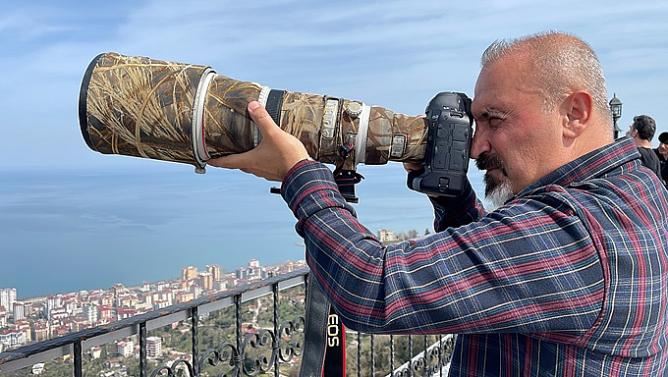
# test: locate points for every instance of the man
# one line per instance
(642, 131)
(567, 278)
(662, 153)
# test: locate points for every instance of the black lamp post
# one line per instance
(616, 109)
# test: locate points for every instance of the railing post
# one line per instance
(410, 356)
(277, 336)
(142, 349)
(392, 353)
(359, 354)
(194, 318)
(373, 364)
(240, 355)
(78, 362)
(424, 357)
(440, 356)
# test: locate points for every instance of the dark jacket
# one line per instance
(663, 166)
(650, 160)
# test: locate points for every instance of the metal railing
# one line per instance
(215, 335)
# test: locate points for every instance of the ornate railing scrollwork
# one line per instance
(290, 343)
(418, 366)
(447, 347)
(175, 369)
(226, 355)
(402, 373)
(261, 364)
(434, 361)
(431, 361)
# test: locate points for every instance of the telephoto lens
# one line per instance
(138, 106)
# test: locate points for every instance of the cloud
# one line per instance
(24, 25)
(393, 53)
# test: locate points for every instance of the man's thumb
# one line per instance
(261, 117)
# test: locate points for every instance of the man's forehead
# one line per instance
(502, 91)
(479, 100)
(485, 92)
(486, 102)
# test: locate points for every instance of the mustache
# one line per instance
(489, 161)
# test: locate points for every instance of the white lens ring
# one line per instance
(362, 131)
(199, 144)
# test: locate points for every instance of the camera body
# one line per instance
(448, 147)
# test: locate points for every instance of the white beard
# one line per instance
(500, 194)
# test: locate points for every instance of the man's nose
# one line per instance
(479, 144)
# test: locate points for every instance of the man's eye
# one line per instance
(495, 122)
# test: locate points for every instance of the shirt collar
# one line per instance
(591, 165)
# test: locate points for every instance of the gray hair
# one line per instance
(561, 62)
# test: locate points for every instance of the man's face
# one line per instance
(663, 149)
(515, 136)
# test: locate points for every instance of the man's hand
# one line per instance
(412, 167)
(276, 154)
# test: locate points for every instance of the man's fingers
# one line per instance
(233, 161)
(261, 117)
(412, 167)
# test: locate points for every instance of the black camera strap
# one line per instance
(275, 104)
(324, 337)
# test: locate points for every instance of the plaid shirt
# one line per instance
(569, 278)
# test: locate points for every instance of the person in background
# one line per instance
(662, 153)
(642, 131)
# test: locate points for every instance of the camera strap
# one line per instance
(275, 104)
(324, 336)
(272, 100)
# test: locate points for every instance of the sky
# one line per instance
(396, 54)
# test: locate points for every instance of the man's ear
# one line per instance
(577, 109)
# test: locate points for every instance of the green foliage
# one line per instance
(219, 328)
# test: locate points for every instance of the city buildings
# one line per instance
(19, 311)
(125, 348)
(7, 298)
(206, 280)
(3, 317)
(189, 273)
(91, 312)
(252, 272)
(387, 236)
(42, 318)
(153, 347)
(10, 338)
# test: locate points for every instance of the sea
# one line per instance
(65, 230)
